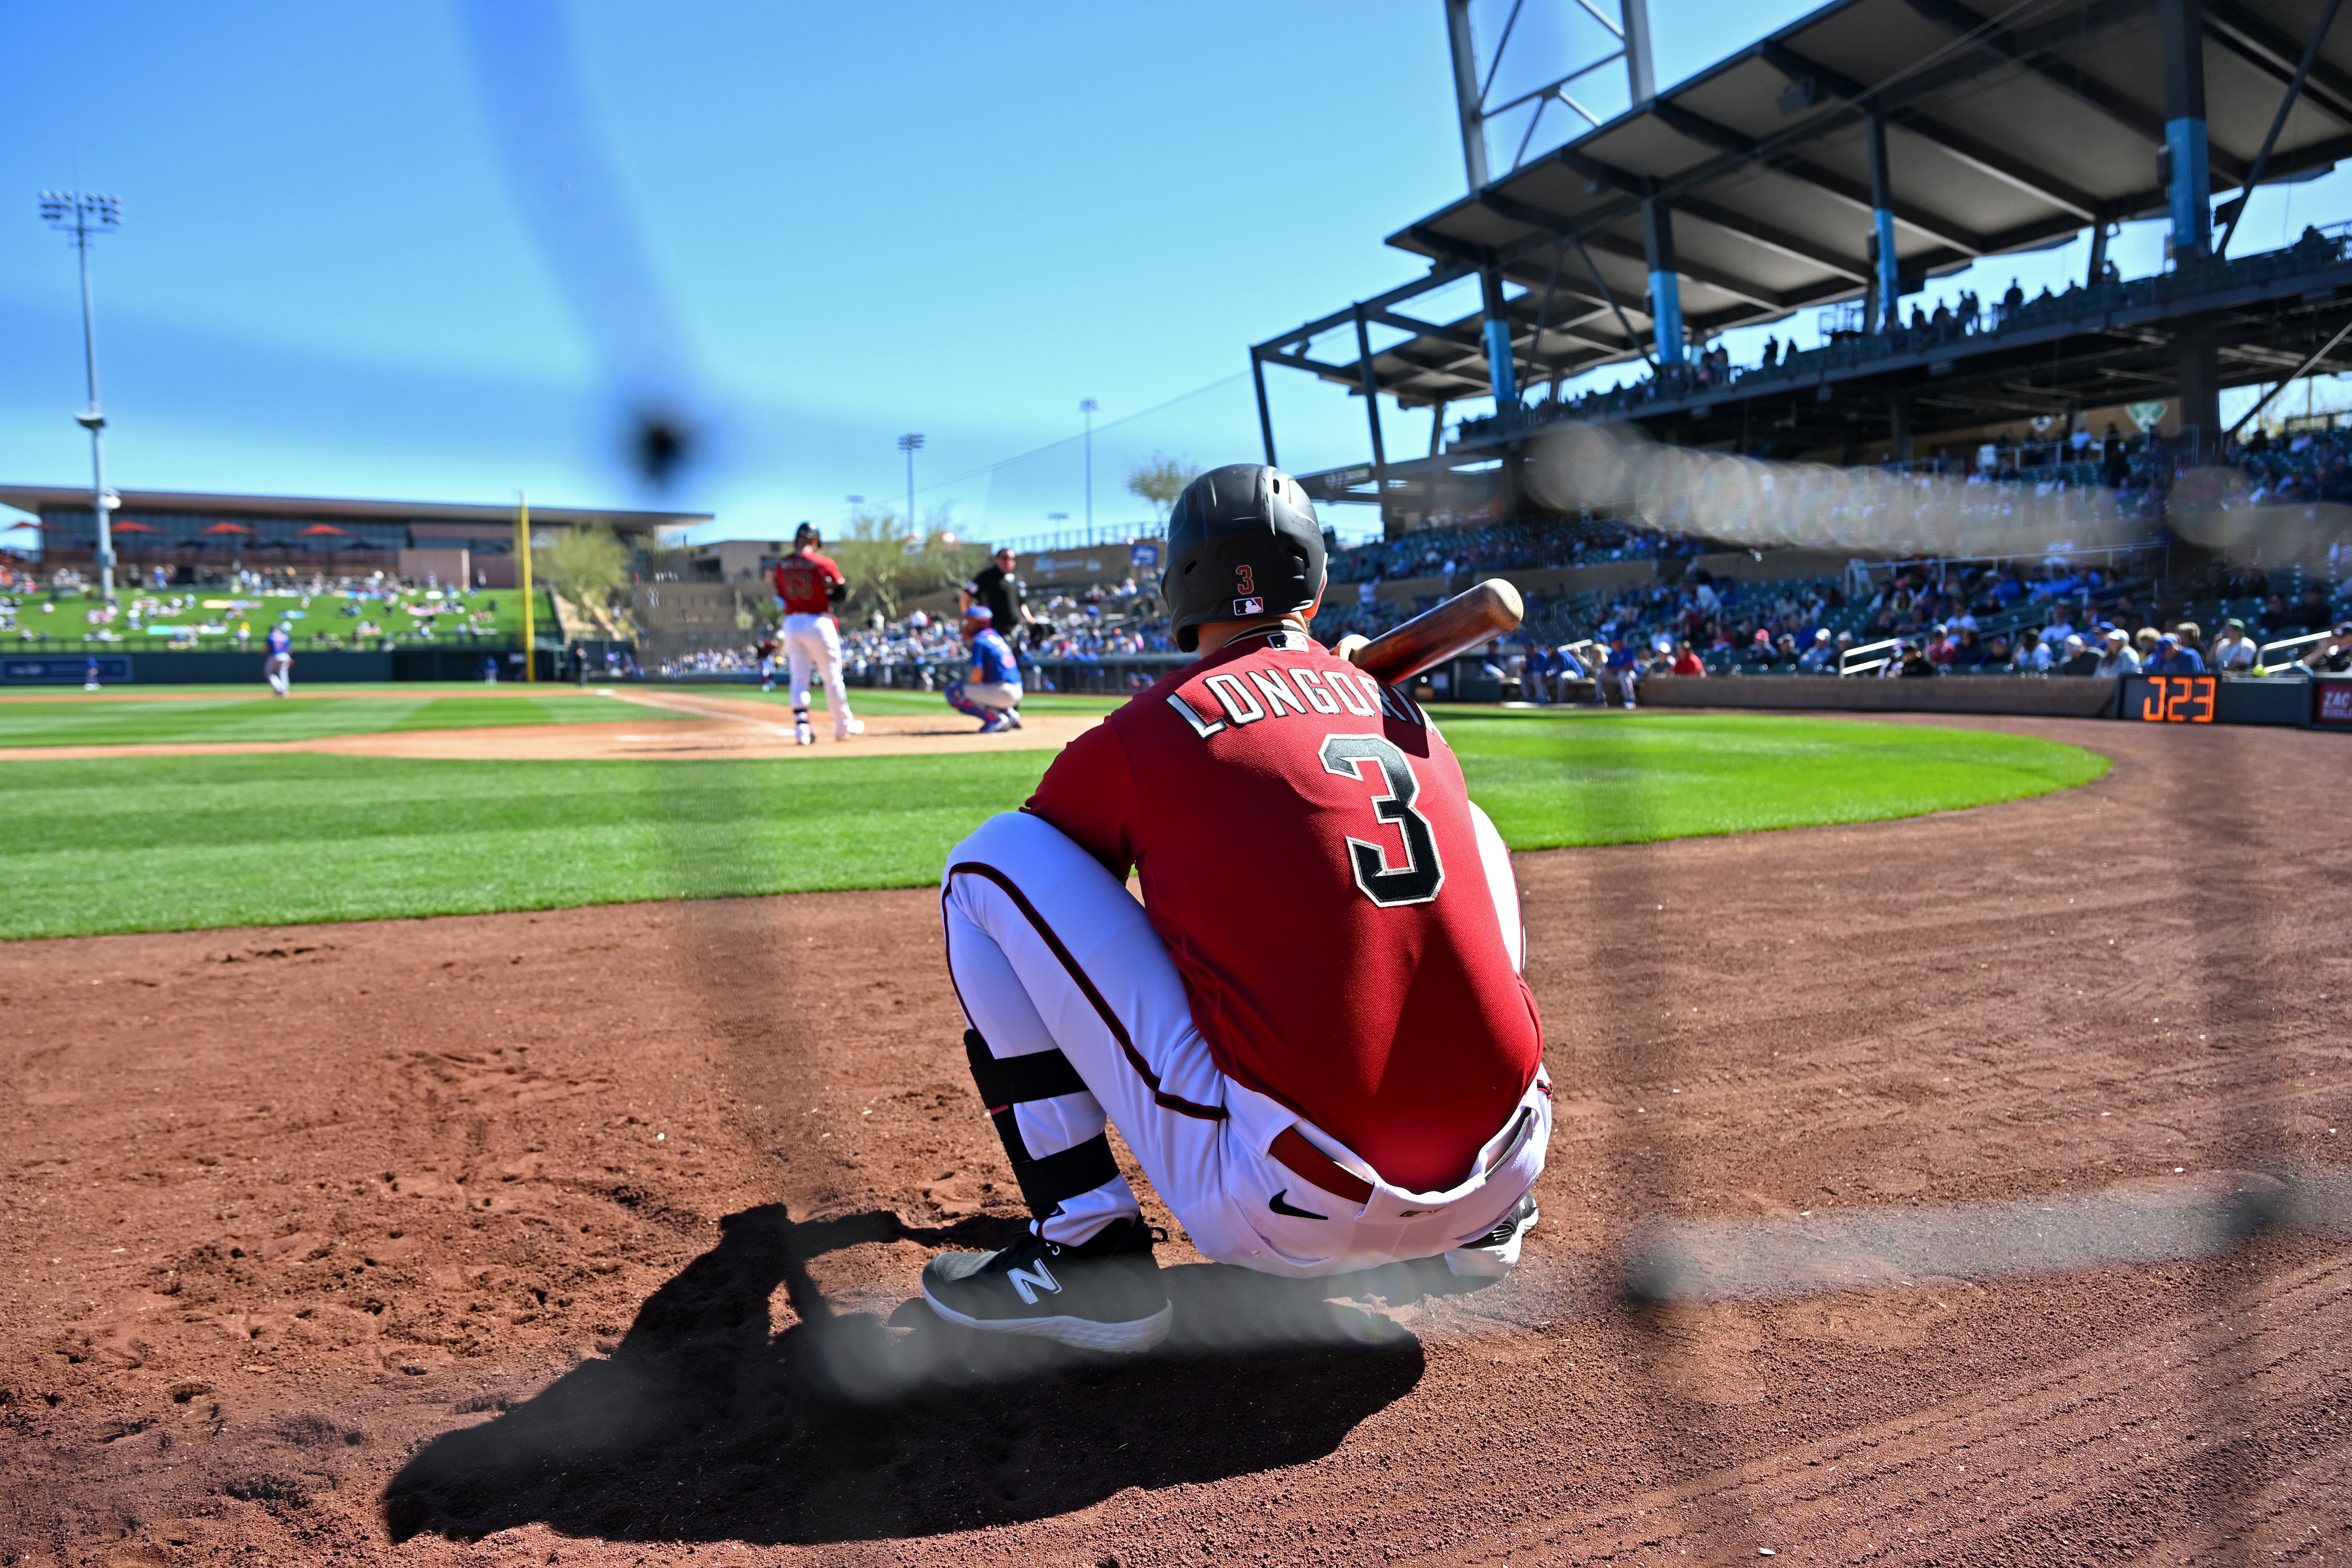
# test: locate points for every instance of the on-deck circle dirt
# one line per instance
(593, 1232)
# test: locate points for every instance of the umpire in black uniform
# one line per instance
(996, 586)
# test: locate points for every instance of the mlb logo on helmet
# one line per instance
(1249, 607)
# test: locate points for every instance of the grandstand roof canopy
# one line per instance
(2008, 128)
(65, 498)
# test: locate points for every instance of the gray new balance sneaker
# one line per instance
(1497, 1253)
(1102, 1294)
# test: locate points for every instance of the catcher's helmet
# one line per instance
(1243, 541)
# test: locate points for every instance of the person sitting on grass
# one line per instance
(991, 689)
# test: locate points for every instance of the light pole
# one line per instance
(910, 445)
(84, 216)
(1088, 406)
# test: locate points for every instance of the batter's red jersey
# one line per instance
(1307, 852)
(806, 582)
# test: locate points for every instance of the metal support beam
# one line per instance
(1555, 227)
(1723, 283)
(2259, 44)
(1437, 427)
(1767, 237)
(2237, 208)
(1882, 219)
(1441, 273)
(2108, 101)
(2098, 256)
(1830, 182)
(2034, 181)
(1502, 373)
(1420, 329)
(1665, 288)
(1466, 94)
(2300, 371)
(1313, 367)
(1602, 283)
(1372, 415)
(1264, 414)
(2192, 179)
(1639, 75)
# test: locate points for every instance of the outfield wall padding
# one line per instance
(2049, 696)
(227, 669)
(319, 667)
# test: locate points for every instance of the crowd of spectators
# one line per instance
(1944, 318)
(1093, 625)
(240, 607)
(2055, 616)
(1453, 543)
(2065, 612)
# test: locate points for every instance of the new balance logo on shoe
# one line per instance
(1031, 1281)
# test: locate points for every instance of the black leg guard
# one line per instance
(1042, 1075)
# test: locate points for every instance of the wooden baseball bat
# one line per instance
(1434, 636)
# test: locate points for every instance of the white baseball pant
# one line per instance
(813, 640)
(1048, 949)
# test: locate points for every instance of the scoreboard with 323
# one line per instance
(2169, 699)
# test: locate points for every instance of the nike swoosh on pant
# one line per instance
(1276, 1204)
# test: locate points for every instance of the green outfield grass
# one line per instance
(1607, 778)
(265, 718)
(137, 843)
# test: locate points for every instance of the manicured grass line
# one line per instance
(893, 700)
(266, 718)
(158, 843)
(1609, 779)
(143, 843)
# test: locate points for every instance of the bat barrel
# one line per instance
(1480, 616)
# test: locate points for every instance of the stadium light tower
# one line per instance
(910, 444)
(1088, 406)
(84, 216)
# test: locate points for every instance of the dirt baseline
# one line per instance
(680, 727)
(589, 1237)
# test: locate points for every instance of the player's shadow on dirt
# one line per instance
(703, 1426)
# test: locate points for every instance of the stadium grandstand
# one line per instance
(1847, 162)
(190, 537)
(1853, 164)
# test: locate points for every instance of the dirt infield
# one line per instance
(680, 727)
(589, 1237)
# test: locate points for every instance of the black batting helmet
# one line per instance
(806, 534)
(1243, 543)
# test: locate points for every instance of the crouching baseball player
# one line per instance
(1312, 1032)
(991, 690)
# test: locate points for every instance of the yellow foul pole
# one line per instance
(522, 550)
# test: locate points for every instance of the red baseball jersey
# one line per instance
(1307, 852)
(806, 582)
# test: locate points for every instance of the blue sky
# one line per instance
(835, 223)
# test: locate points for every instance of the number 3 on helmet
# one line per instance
(1243, 540)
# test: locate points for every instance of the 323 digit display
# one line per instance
(2170, 699)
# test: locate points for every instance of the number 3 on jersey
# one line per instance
(1418, 880)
